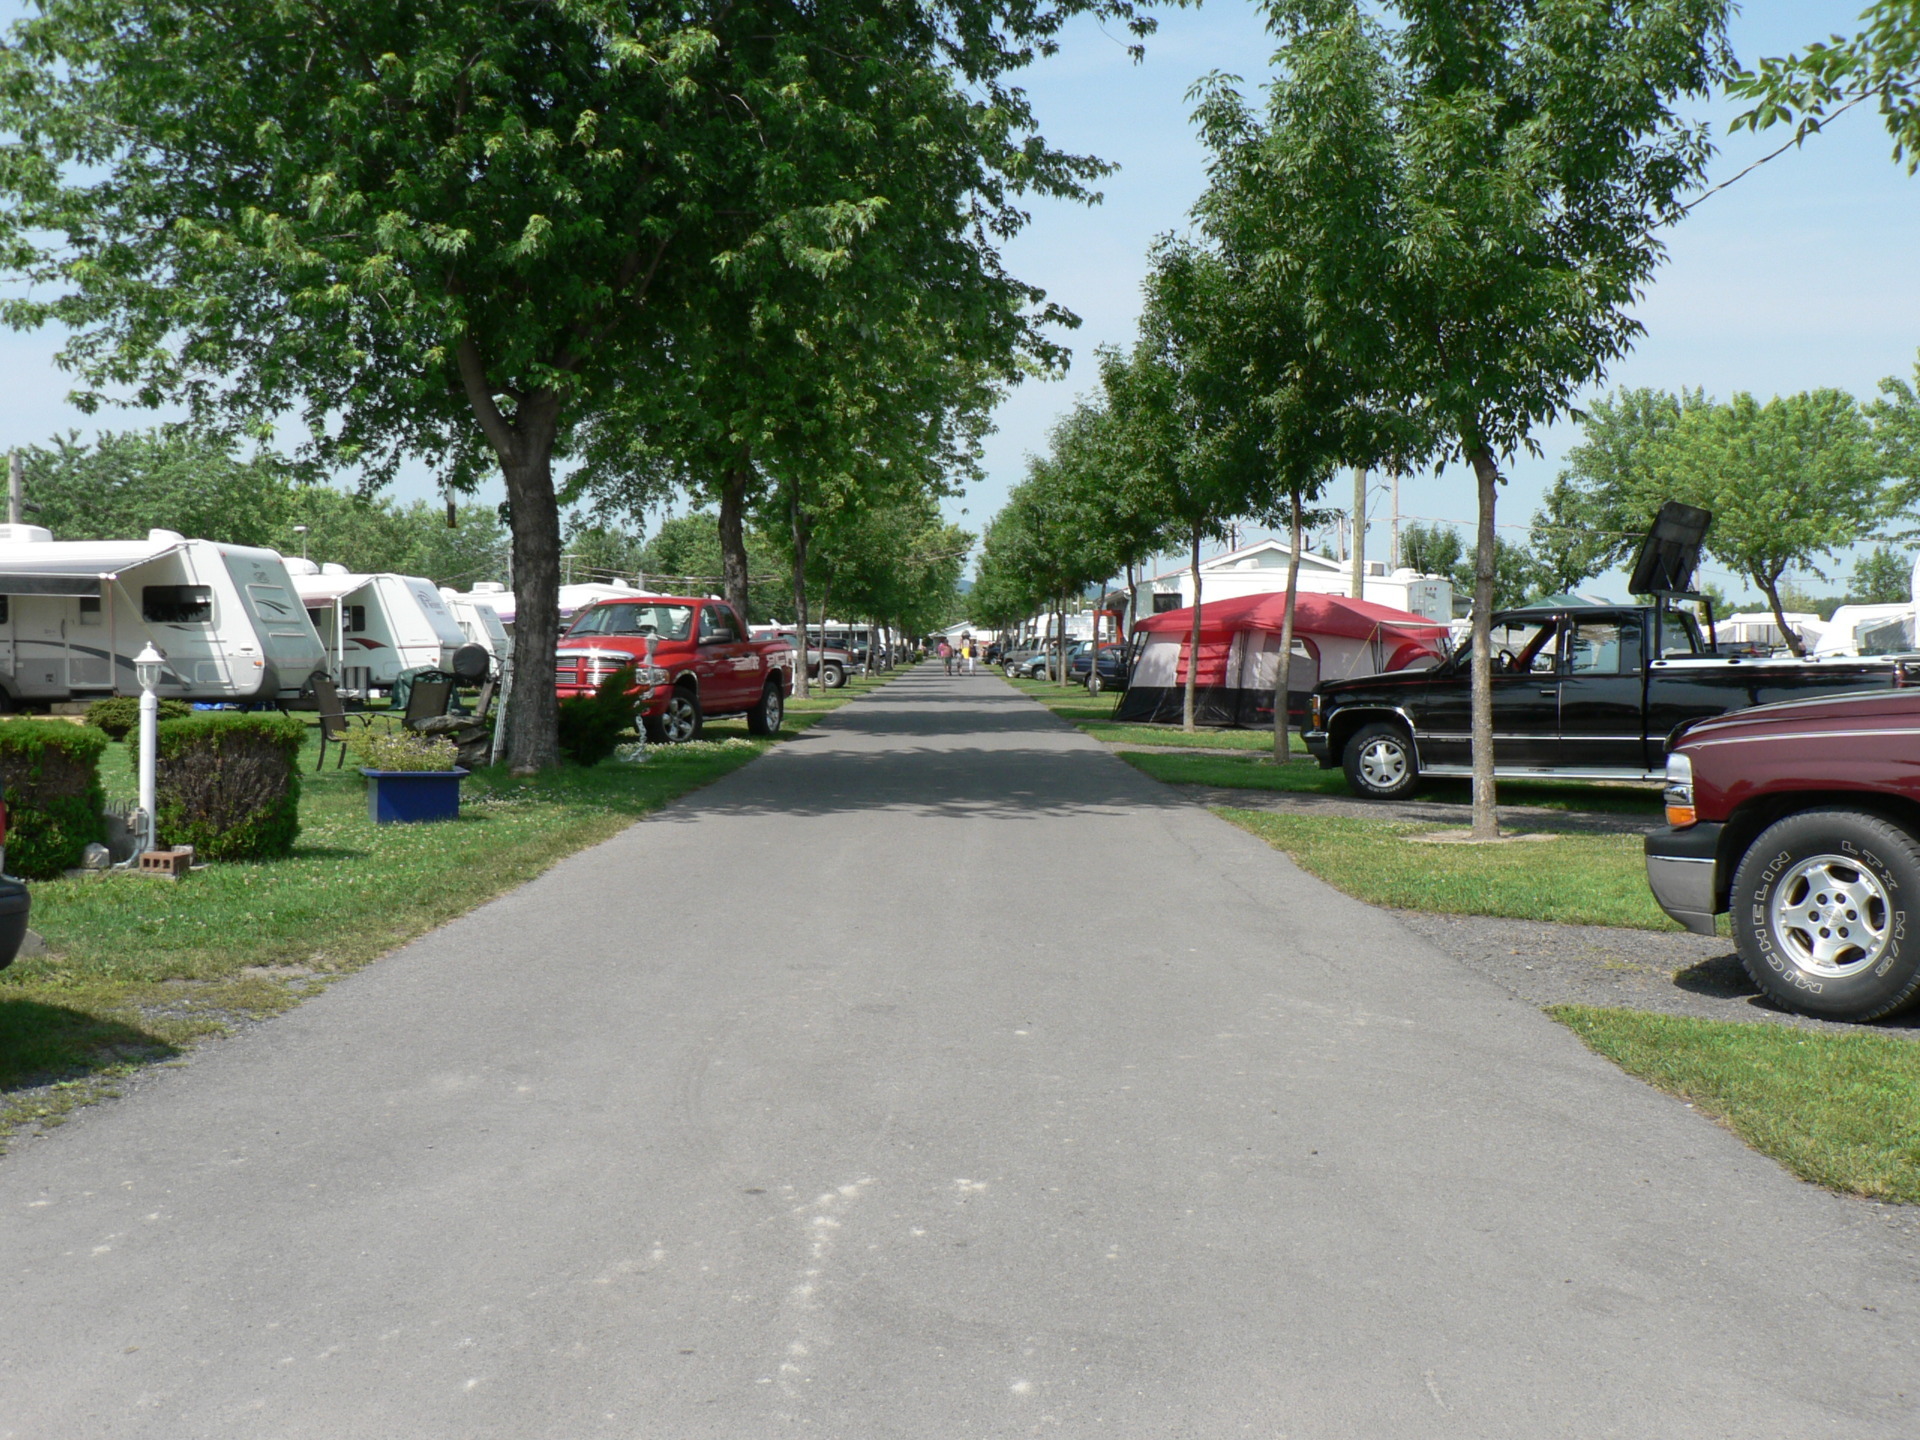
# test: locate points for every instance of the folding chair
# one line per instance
(427, 700)
(335, 724)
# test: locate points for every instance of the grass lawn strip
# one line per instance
(1842, 1111)
(1570, 879)
(138, 971)
(1094, 714)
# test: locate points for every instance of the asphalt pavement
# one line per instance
(936, 1076)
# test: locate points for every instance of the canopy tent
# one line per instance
(1335, 638)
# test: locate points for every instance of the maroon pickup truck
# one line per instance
(1802, 821)
(692, 660)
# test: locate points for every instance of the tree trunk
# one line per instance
(532, 716)
(1193, 654)
(800, 683)
(1283, 672)
(1133, 603)
(733, 535)
(1770, 587)
(1486, 819)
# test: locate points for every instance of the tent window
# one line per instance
(177, 604)
(89, 609)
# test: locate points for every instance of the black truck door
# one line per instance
(1602, 686)
(1526, 692)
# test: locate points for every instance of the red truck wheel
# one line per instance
(679, 722)
(1817, 907)
(765, 718)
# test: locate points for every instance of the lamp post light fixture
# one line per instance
(301, 531)
(148, 666)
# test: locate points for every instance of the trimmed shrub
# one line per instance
(119, 715)
(592, 725)
(52, 774)
(228, 784)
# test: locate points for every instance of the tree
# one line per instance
(1883, 576)
(684, 554)
(456, 228)
(1431, 549)
(1508, 166)
(119, 486)
(1790, 483)
(1880, 62)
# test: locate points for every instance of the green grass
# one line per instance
(140, 970)
(1255, 772)
(1840, 1110)
(1570, 879)
(1094, 714)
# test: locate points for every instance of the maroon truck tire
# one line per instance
(1819, 908)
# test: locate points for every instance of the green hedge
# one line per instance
(52, 774)
(592, 726)
(120, 714)
(228, 784)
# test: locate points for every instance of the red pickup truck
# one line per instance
(1801, 820)
(692, 660)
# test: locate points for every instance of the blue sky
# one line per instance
(1801, 275)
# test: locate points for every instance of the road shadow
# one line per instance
(41, 1044)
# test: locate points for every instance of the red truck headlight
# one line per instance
(1680, 811)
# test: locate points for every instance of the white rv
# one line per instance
(481, 624)
(375, 626)
(74, 613)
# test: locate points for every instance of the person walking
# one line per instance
(966, 649)
(946, 655)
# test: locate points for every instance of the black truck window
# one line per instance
(1605, 647)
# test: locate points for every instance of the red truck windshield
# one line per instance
(666, 622)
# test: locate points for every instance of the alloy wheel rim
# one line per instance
(1831, 917)
(1383, 764)
(679, 719)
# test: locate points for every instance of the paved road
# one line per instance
(1124, 1128)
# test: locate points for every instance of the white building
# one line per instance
(1261, 569)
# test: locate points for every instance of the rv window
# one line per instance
(89, 609)
(5, 617)
(177, 604)
(356, 619)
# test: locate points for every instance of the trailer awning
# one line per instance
(72, 567)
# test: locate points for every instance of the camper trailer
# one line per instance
(375, 626)
(74, 613)
(480, 623)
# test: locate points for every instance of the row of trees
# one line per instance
(1424, 247)
(118, 486)
(614, 248)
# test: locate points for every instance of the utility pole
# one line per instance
(1395, 558)
(1359, 534)
(16, 489)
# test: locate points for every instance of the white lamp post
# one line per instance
(147, 668)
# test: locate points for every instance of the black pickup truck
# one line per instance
(1579, 692)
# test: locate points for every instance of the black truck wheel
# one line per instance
(1818, 907)
(1380, 763)
(679, 723)
(765, 718)
(832, 675)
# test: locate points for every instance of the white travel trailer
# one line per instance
(74, 613)
(480, 623)
(375, 626)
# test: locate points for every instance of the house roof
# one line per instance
(1270, 553)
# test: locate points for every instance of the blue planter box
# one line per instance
(406, 797)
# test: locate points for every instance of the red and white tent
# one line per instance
(1334, 638)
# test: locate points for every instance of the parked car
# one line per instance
(1116, 662)
(1583, 692)
(692, 660)
(828, 668)
(1033, 664)
(1801, 822)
